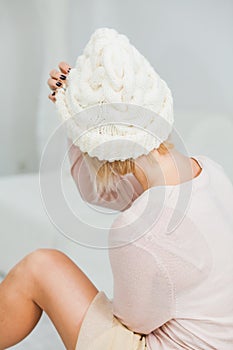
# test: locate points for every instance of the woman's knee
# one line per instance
(42, 260)
(37, 263)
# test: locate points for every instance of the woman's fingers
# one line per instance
(54, 84)
(57, 75)
(64, 67)
(52, 96)
(57, 79)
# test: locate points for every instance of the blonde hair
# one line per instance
(106, 174)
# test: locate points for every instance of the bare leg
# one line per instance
(44, 280)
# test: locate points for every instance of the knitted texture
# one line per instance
(112, 71)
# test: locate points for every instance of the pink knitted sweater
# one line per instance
(175, 286)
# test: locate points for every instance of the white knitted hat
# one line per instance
(113, 94)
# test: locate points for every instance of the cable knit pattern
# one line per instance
(111, 70)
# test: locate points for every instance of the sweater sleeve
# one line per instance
(143, 291)
(152, 273)
(121, 199)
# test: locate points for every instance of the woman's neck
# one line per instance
(170, 169)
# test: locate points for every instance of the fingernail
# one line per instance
(53, 93)
(62, 77)
(69, 70)
(58, 83)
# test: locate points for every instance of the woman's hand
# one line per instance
(57, 79)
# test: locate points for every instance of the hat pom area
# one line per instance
(112, 71)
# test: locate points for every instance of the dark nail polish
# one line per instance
(69, 70)
(58, 83)
(53, 94)
(62, 77)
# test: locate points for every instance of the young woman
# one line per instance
(170, 291)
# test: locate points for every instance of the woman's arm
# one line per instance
(143, 297)
(154, 273)
(126, 192)
(128, 188)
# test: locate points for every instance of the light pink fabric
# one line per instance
(177, 288)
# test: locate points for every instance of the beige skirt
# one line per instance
(101, 330)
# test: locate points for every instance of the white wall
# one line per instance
(19, 61)
(31, 46)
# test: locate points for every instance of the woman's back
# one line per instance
(177, 286)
